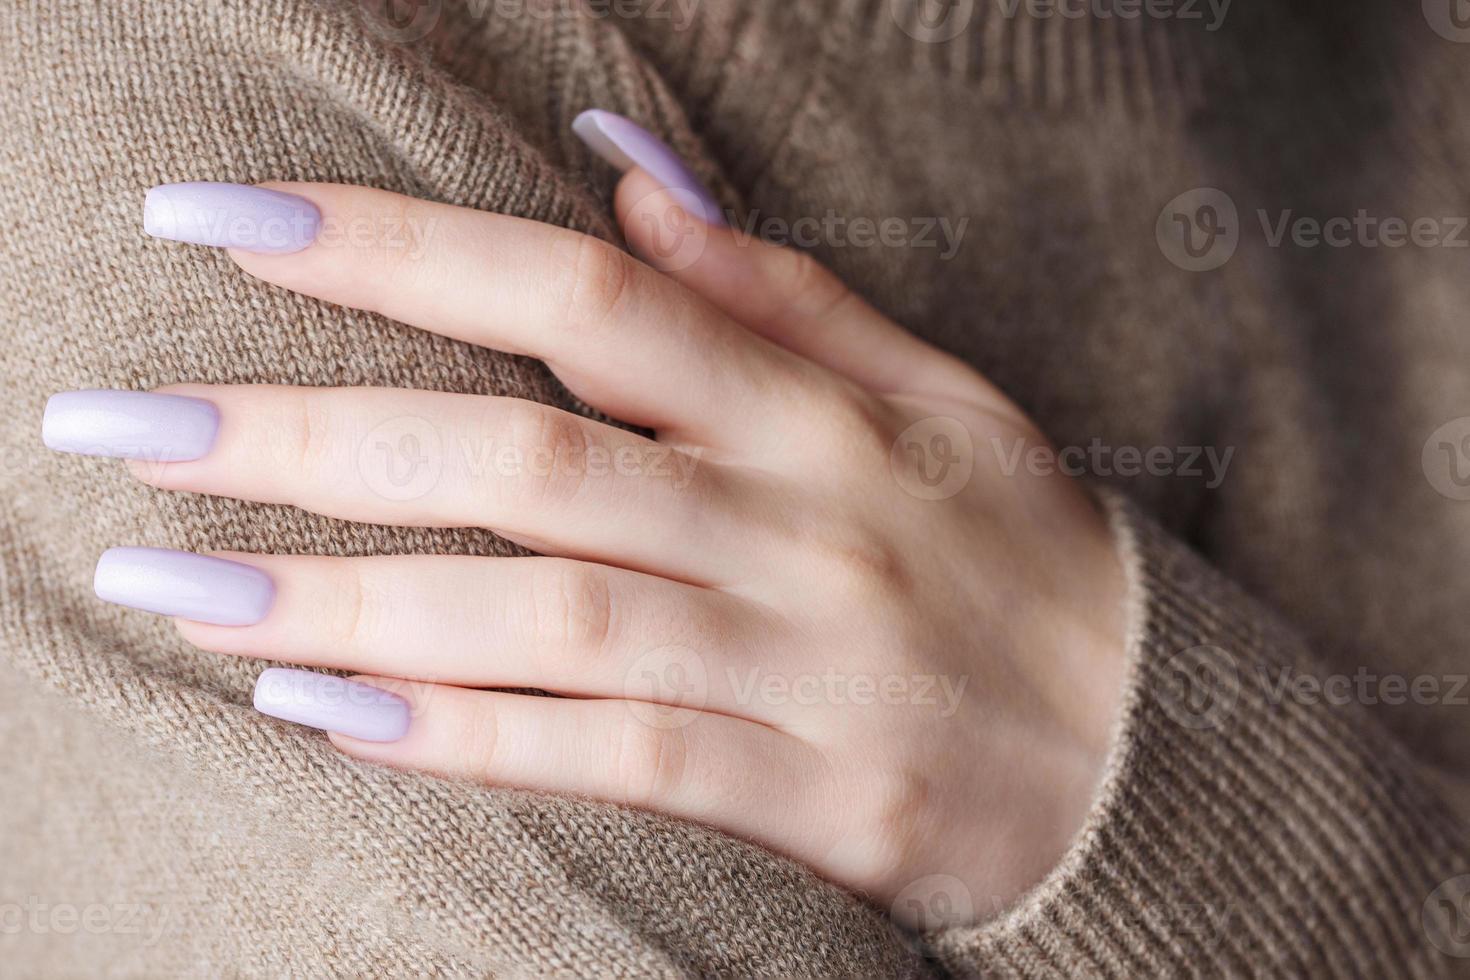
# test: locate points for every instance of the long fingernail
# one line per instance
(180, 583)
(130, 424)
(231, 216)
(625, 144)
(334, 704)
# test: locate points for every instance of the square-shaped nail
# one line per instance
(255, 219)
(201, 588)
(334, 704)
(130, 424)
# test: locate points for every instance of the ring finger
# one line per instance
(570, 627)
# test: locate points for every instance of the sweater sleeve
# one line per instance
(1248, 823)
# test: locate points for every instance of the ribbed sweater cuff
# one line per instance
(1240, 829)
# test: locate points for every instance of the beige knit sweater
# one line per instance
(154, 825)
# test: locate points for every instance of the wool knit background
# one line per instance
(137, 776)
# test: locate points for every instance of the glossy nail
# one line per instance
(334, 704)
(180, 583)
(130, 424)
(231, 216)
(625, 144)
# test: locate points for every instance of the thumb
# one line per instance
(670, 221)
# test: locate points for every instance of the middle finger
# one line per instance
(570, 485)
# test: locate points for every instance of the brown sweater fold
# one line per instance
(1240, 831)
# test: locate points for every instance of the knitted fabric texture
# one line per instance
(1257, 834)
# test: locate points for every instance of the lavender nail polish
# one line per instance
(625, 144)
(179, 583)
(231, 216)
(130, 424)
(334, 704)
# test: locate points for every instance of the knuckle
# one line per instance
(651, 763)
(850, 430)
(571, 612)
(863, 426)
(600, 283)
(349, 597)
(554, 445)
(306, 422)
(893, 820)
(864, 562)
(385, 259)
(811, 291)
(478, 735)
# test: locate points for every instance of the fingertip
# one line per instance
(636, 187)
(663, 225)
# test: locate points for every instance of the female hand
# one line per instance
(817, 610)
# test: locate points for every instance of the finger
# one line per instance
(431, 459)
(571, 627)
(783, 294)
(624, 338)
(739, 776)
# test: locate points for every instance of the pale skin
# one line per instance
(879, 683)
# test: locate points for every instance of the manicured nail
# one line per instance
(231, 216)
(334, 704)
(180, 583)
(130, 424)
(625, 144)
